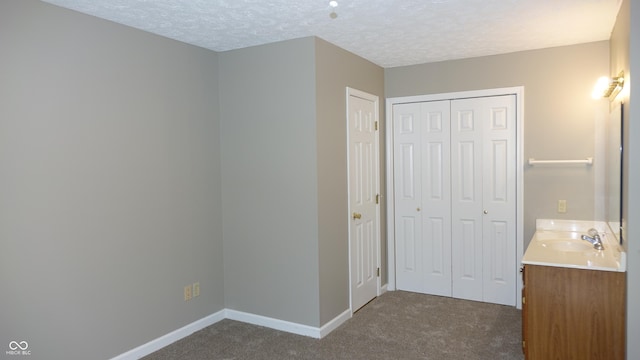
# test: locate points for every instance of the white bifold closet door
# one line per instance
(454, 178)
(423, 197)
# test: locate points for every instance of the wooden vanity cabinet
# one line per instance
(573, 314)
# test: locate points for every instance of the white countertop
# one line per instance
(558, 243)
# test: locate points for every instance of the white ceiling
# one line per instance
(389, 33)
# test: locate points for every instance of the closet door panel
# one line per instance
(499, 192)
(466, 199)
(408, 197)
(436, 197)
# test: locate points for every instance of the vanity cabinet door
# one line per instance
(574, 314)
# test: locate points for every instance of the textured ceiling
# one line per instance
(389, 33)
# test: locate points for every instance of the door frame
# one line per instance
(376, 100)
(518, 91)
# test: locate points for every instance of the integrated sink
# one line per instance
(563, 241)
(559, 243)
(567, 245)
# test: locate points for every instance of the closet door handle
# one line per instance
(357, 215)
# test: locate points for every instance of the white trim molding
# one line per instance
(287, 326)
(335, 323)
(170, 338)
(290, 327)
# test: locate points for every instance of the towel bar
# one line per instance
(587, 161)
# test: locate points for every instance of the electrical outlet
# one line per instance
(187, 293)
(196, 289)
(562, 206)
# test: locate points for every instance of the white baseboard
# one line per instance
(159, 343)
(272, 323)
(384, 288)
(291, 327)
(333, 324)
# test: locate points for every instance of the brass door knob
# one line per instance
(357, 215)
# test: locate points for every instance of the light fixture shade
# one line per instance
(608, 88)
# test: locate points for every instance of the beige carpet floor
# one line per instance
(396, 325)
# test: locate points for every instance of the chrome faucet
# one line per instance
(594, 239)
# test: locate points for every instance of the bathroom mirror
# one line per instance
(614, 151)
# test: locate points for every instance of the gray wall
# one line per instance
(270, 180)
(114, 174)
(335, 70)
(110, 183)
(285, 177)
(625, 50)
(560, 116)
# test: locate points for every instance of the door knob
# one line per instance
(417, 209)
(486, 212)
(357, 215)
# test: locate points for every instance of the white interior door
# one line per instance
(466, 200)
(422, 197)
(454, 175)
(436, 196)
(483, 148)
(364, 189)
(499, 198)
(408, 197)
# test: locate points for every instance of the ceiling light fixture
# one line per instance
(608, 88)
(333, 4)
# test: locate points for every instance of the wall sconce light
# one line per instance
(608, 88)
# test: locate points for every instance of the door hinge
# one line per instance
(377, 198)
(523, 344)
(523, 300)
(376, 125)
(378, 272)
